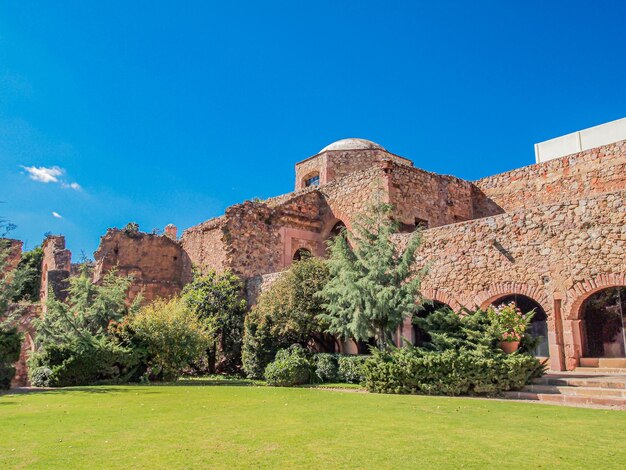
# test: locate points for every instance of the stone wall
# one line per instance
(156, 262)
(27, 313)
(205, 244)
(583, 174)
(56, 267)
(556, 254)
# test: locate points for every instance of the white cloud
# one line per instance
(43, 174)
(56, 215)
(75, 186)
(52, 174)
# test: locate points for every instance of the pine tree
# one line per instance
(374, 286)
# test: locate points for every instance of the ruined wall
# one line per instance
(205, 244)
(583, 174)
(550, 253)
(437, 199)
(27, 313)
(156, 262)
(14, 254)
(56, 267)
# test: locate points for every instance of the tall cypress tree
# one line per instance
(374, 285)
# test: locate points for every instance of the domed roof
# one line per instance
(352, 144)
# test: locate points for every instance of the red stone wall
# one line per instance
(156, 262)
(583, 174)
(205, 244)
(56, 268)
(25, 324)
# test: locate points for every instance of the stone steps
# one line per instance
(599, 388)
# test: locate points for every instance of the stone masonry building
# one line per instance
(550, 236)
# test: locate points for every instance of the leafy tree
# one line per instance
(287, 313)
(373, 284)
(74, 346)
(217, 299)
(29, 272)
(171, 335)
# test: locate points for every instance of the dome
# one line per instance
(352, 144)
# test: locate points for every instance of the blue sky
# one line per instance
(169, 112)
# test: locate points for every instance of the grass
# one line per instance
(242, 426)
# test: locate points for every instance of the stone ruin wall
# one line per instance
(596, 171)
(157, 263)
(550, 253)
(438, 199)
(205, 244)
(56, 268)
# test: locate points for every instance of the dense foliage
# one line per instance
(460, 357)
(218, 302)
(287, 313)
(373, 285)
(10, 343)
(29, 272)
(73, 341)
(342, 368)
(167, 336)
(290, 367)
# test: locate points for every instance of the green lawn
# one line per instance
(186, 426)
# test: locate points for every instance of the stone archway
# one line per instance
(603, 330)
(538, 328)
(574, 327)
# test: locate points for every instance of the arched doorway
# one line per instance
(337, 229)
(538, 328)
(603, 324)
(301, 254)
(419, 335)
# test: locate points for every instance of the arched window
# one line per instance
(312, 180)
(603, 323)
(302, 253)
(538, 328)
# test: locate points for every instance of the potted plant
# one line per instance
(510, 325)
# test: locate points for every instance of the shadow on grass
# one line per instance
(131, 387)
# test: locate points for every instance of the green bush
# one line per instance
(77, 363)
(449, 372)
(40, 376)
(10, 345)
(291, 367)
(168, 335)
(326, 367)
(351, 368)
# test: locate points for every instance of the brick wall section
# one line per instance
(25, 324)
(156, 262)
(587, 173)
(14, 253)
(543, 252)
(56, 267)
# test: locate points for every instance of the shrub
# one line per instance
(291, 367)
(286, 313)
(450, 372)
(351, 368)
(169, 334)
(81, 363)
(40, 376)
(326, 367)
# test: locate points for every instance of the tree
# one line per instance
(29, 272)
(171, 334)
(74, 343)
(287, 313)
(218, 302)
(373, 284)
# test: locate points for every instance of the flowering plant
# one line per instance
(509, 321)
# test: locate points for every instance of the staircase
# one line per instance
(586, 386)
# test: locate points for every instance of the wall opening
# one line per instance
(312, 180)
(538, 328)
(301, 254)
(419, 335)
(603, 325)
